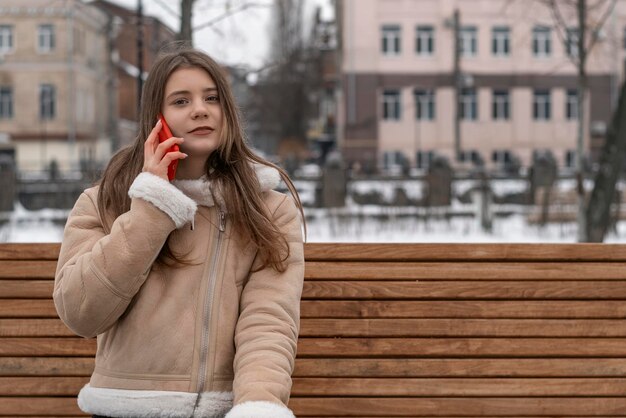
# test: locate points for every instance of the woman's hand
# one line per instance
(156, 159)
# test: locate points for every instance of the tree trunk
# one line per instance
(186, 12)
(599, 208)
(582, 111)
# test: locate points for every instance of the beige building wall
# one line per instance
(75, 67)
(364, 67)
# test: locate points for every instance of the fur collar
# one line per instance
(204, 193)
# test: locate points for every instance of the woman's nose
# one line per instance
(199, 111)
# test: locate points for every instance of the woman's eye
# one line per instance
(180, 101)
(213, 99)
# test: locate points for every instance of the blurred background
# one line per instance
(399, 120)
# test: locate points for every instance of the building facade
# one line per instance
(125, 60)
(517, 82)
(52, 81)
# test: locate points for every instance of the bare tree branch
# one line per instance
(231, 12)
(168, 9)
(561, 29)
(596, 30)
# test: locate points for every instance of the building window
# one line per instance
(501, 157)
(47, 99)
(424, 104)
(395, 162)
(500, 45)
(390, 36)
(469, 104)
(571, 106)
(425, 40)
(570, 158)
(45, 38)
(391, 105)
(6, 39)
(542, 41)
(6, 102)
(501, 105)
(469, 43)
(541, 105)
(423, 159)
(571, 43)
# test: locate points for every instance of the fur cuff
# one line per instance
(151, 403)
(260, 409)
(164, 196)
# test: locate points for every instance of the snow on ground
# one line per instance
(367, 224)
(370, 223)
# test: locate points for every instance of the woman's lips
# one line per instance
(202, 131)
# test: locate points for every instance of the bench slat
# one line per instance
(465, 290)
(461, 347)
(464, 252)
(30, 269)
(70, 386)
(40, 289)
(384, 407)
(392, 407)
(32, 347)
(461, 327)
(28, 406)
(46, 366)
(321, 270)
(44, 308)
(494, 367)
(41, 386)
(354, 367)
(457, 387)
(364, 347)
(402, 290)
(30, 251)
(27, 308)
(605, 309)
(43, 269)
(311, 327)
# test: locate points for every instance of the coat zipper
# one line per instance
(204, 344)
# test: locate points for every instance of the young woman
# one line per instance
(192, 287)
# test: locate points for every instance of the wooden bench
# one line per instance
(425, 330)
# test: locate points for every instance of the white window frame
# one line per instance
(501, 41)
(46, 39)
(390, 36)
(425, 104)
(542, 105)
(391, 105)
(542, 41)
(6, 102)
(6, 39)
(469, 104)
(468, 41)
(501, 105)
(571, 42)
(571, 104)
(425, 40)
(47, 101)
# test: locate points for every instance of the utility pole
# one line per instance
(582, 90)
(112, 111)
(457, 84)
(139, 54)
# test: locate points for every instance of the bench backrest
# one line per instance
(387, 330)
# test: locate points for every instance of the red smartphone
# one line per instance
(166, 133)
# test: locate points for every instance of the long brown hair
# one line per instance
(230, 166)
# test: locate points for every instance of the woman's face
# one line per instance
(192, 110)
